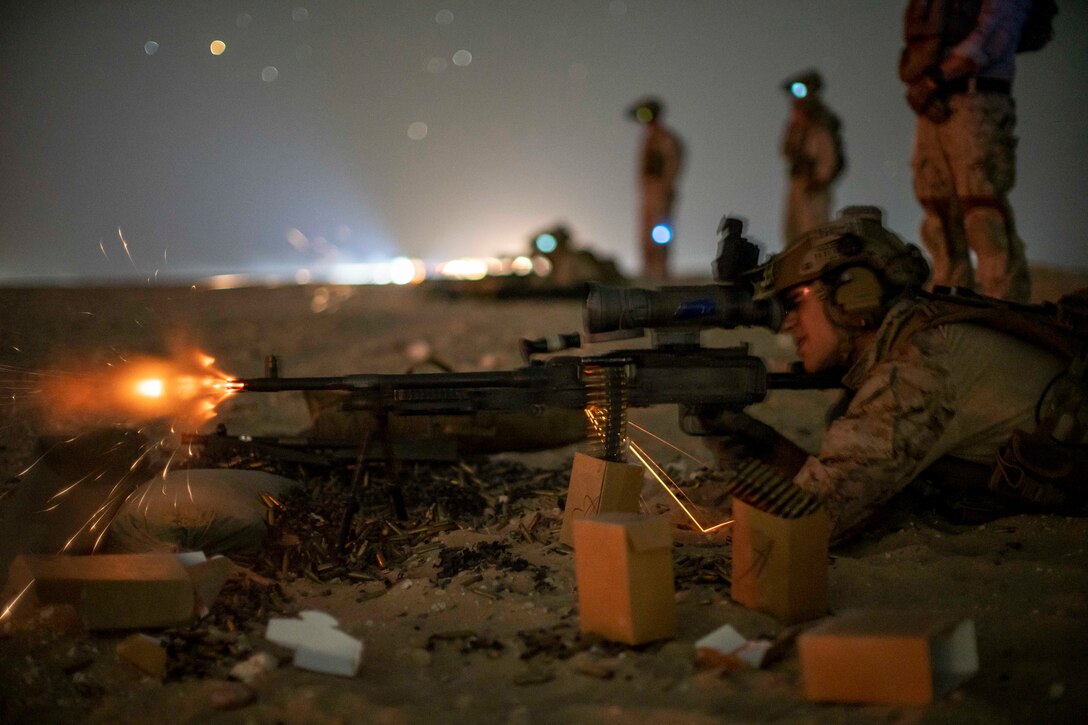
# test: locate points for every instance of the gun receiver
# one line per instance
(676, 370)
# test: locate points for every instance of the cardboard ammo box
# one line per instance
(623, 569)
(887, 657)
(780, 565)
(107, 591)
(598, 486)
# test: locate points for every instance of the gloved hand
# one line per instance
(743, 428)
(925, 98)
(734, 436)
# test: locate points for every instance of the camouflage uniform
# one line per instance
(955, 390)
(813, 153)
(660, 162)
(964, 159)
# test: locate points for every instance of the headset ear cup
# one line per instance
(859, 297)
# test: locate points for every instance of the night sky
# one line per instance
(352, 130)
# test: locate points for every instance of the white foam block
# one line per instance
(318, 643)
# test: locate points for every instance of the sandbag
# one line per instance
(214, 510)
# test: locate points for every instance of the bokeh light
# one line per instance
(217, 47)
(443, 17)
(521, 266)
(300, 15)
(269, 74)
(436, 65)
(417, 131)
(799, 90)
(151, 47)
(661, 234)
(462, 58)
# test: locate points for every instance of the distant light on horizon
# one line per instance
(398, 271)
(217, 47)
(521, 266)
(463, 269)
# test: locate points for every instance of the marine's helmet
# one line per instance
(646, 110)
(804, 84)
(865, 266)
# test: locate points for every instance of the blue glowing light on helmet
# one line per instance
(661, 234)
(546, 243)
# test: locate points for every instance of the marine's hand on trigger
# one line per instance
(740, 429)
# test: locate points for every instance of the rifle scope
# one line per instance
(612, 309)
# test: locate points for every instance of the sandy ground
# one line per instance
(492, 645)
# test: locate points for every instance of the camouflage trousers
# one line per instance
(657, 206)
(964, 169)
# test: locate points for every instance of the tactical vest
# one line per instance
(1046, 467)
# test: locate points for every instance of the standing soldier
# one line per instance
(813, 149)
(659, 166)
(958, 64)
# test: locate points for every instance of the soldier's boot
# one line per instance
(1002, 266)
(946, 242)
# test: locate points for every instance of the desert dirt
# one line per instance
(495, 638)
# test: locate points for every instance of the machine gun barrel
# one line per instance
(688, 376)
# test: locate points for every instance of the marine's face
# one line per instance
(820, 344)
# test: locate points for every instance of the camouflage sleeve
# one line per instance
(877, 447)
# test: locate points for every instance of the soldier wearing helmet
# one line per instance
(919, 396)
(813, 149)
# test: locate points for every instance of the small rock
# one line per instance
(588, 664)
(225, 695)
(254, 667)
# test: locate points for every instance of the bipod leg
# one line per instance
(396, 495)
(353, 498)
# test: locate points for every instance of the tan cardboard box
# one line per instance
(108, 591)
(887, 657)
(598, 486)
(780, 565)
(623, 568)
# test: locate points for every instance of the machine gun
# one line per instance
(675, 370)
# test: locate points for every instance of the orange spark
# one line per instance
(11, 605)
(657, 472)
